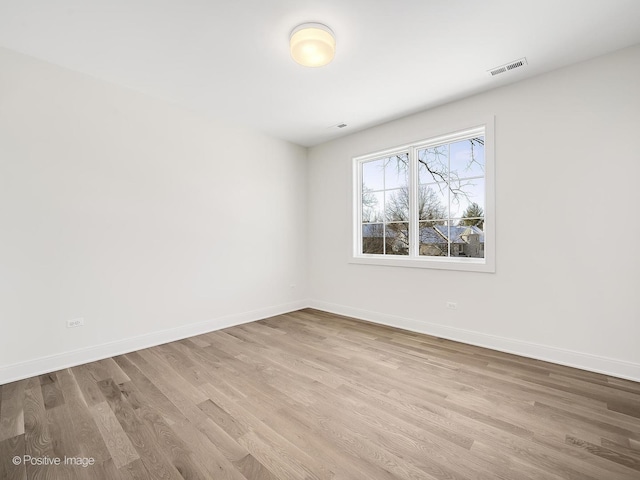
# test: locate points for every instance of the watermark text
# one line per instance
(56, 461)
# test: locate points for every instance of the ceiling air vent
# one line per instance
(509, 66)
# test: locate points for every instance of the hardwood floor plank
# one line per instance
(142, 391)
(174, 385)
(625, 449)
(12, 410)
(63, 438)
(582, 460)
(214, 452)
(222, 419)
(589, 423)
(90, 441)
(37, 437)
(198, 341)
(143, 440)
(607, 453)
(87, 383)
(629, 407)
(98, 471)
(281, 457)
(51, 392)
(253, 469)
(175, 450)
(9, 449)
(116, 440)
(133, 471)
(114, 371)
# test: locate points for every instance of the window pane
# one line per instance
(432, 201)
(396, 172)
(373, 175)
(373, 238)
(433, 164)
(397, 238)
(467, 239)
(433, 239)
(397, 205)
(372, 207)
(467, 158)
(467, 199)
(470, 222)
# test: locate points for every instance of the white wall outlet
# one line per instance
(452, 305)
(76, 322)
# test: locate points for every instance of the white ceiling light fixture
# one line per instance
(312, 44)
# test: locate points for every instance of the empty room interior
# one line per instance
(333, 240)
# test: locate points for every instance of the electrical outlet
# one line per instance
(452, 305)
(76, 322)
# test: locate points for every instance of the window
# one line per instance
(428, 204)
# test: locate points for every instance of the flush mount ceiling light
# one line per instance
(312, 44)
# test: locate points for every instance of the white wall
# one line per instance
(144, 219)
(567, 279)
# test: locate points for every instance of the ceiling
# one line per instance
(229, 60)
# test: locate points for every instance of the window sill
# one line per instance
(459, 264)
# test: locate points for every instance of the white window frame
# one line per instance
(414, 260)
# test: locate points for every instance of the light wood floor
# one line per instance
(311, 395)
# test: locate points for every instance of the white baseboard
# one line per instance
(569, 358)
(38, 366)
